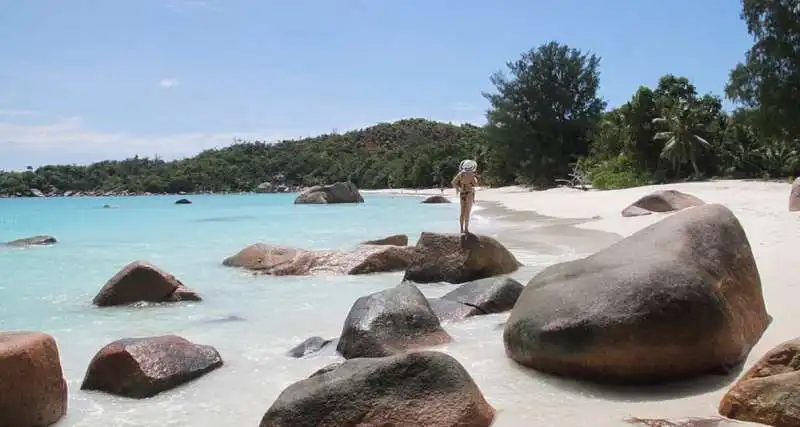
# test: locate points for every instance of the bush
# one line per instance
(619, 172)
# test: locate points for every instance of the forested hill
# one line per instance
(405, 153)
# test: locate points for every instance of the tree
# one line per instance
(768, 80)
(542, 113)
(681, 139)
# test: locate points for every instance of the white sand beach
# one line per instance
(762, 208)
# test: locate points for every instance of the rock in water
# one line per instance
(769, 393)
(33, 241)
(183, 202)
(33, 392)
(677, 299)
(388, 322)
(144, 367)
(141, 281)
(309, 346)
(424, 388)
(394, 240)
(455, 258)
(340, 192)
(436, 199)
(662, 201)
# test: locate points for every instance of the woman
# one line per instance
(465, 182)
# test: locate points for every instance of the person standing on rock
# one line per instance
(465, 182)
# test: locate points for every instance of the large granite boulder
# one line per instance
(142, 281)
(794, 196)
(340, 192)
(457, 258)
(662, 201)
(768, 393)
(424, 388)
(388, 322)
(33, 392)
(436, 199)
(143, 367)
(286, 261)
(33, 241)
(484, 296)
(677, 299)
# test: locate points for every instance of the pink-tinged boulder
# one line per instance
(662, 201)
(33, 392)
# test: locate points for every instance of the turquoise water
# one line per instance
(50, 288)
(251, 320)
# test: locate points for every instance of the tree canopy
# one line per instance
(546, 120)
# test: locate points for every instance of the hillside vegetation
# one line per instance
(545, 122)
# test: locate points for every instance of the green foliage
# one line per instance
(617, 172)
(406, 153)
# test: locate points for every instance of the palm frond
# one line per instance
(661, 136)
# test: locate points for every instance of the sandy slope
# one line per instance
(762, 208)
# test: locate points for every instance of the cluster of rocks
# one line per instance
(679, 299)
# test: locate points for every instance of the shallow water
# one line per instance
(253, 321)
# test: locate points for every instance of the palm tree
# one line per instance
(681, 139)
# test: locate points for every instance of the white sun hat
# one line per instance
(468, 166)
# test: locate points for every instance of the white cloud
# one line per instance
(18, 112)
(168, 83)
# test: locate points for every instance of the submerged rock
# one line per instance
(677, 299)
(33, 241)
(388, 322)
(183, 202)
(456, 258)
(33, 392)
(142, 281)
(340, 192)
(143, 367)
(424, 388)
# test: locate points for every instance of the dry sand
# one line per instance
(762, 208)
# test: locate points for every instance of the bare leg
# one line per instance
(470, 200)
(463, 218)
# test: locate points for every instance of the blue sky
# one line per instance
(84, 80)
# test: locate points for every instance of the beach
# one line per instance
(254, 320)
(760, 206)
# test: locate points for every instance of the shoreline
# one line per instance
(760, 206)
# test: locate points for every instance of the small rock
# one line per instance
(768, 392)
(340, 192)
(395, 240)
(436, 199)
(310, 346)
(662, 201)
(484, 296)
(33, 241)
(183, 202)
(33, 392)
(141, 281)
(424, 388)
(794, 196)
(143, 367)
(388, 322)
